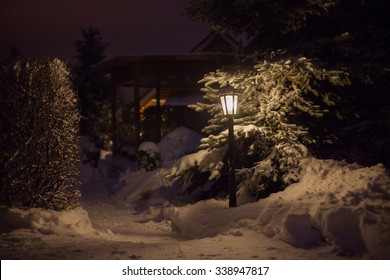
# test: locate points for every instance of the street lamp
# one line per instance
(229, 102)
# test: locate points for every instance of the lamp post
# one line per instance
(229, 102)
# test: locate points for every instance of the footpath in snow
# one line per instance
(336, 211)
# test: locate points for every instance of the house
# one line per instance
(160, 80)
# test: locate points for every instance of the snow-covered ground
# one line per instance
(336, 211)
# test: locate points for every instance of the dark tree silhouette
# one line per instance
(91, 86)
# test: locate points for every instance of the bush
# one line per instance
(39, 147)
(148, 156)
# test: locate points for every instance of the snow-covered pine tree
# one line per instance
(39, 147)
(278, 100)
(341, 34)
(290, 95)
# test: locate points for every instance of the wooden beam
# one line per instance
(137, 116)
(158, 94)
(114, 123)
(159, 113)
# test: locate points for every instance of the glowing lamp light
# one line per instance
(229, 101)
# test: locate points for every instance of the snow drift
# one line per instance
(74, 221)
(337, 206)
(334, 203)
(179, 142)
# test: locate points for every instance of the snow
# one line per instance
(206, 160)
(334, 203)
(336, 211)
(148, 147)
(74, 221)
(181, 141)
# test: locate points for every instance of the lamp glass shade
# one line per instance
(229, 102)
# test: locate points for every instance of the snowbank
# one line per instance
(208, 218)
(144, 190)
(74, 221)
(149, 147)
(344, 207)
(179, 142)
(205, 160)
(335, 203)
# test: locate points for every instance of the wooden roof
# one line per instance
(217, 42)
(179, 70)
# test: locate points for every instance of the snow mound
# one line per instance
(208, 218)
(205, 160)
(335, 203)
(149, 148)
(179, 142)
(74, 221)
(140, 190)
(347, 205)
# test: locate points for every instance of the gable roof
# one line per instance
(216, 42)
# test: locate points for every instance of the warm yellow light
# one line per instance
(229, 101)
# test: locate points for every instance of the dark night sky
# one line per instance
(51, 27)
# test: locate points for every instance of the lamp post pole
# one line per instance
(229, 103)
(232, 165)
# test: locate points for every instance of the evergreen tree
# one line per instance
(270, 135)
(39, 147)
(15, 53)
(91, 86)
(352, 36)
(357, 27)
(313, 69)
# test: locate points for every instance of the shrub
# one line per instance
(148, 156)
(39, 147)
